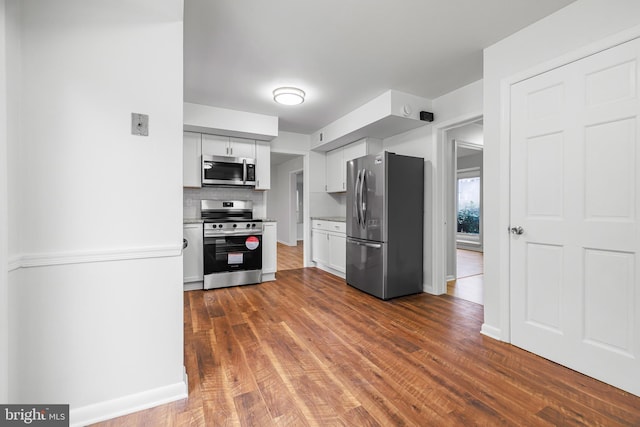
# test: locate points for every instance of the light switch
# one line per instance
(139, 124)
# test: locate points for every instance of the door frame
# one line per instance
(293, 220)
(504, 241)
(439, 189)
(306, 226)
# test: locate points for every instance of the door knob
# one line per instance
(517, 230)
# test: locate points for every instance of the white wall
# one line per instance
(573, 27)
(95, 288)
(4, 255)
(423, 142)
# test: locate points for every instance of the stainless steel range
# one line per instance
(232, 243)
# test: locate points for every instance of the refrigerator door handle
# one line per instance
(363, 197)
(368, 245)
(356, 198)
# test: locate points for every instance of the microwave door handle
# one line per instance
(244, 171)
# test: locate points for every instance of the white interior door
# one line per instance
(575, 191)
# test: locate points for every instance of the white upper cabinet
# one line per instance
(216, 145)
(240, 147)
(191, 153)
(336, 171)
(336, 165)
(263, 165)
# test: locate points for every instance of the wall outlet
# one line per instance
(139, 124)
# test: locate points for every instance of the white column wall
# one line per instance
(95, 282)
(427, 142)
(571, 28)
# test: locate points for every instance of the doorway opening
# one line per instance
(464, 263)
(290, 256)
(285, 204)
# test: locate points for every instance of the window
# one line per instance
(469, 205)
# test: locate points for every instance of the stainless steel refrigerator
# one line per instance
(385, 210)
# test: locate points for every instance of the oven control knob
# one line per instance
(235, 225)
(219, 225)
(248, 225)
(253, 226)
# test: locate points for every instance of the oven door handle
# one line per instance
(232, 233)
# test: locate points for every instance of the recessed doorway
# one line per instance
(465, 264)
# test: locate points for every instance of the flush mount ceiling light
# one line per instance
(288, 96)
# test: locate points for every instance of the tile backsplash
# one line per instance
(192, 196)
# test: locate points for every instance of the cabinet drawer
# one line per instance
(335, 226)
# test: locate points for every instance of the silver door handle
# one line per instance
(368, 245)
(517, 230)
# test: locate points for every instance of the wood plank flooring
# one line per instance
(308, 350)
(469, 276)
(289, 257)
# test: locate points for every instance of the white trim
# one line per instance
(80, 257)
(330, 270)
(438, 282)
(505, 159)
(491, 331)
(109, 409)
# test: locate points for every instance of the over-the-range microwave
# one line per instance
(223, 170)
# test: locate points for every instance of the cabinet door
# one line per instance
(263, 165)
(338, 252)
(240, 147)
(355, 150)
(215, 145)
(191, 154)
(335, 171)
(192, 258)
(320, 246)
(269, 248)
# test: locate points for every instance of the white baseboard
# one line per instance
(331, 270)
(268, 277)
(491, 332)
(128, 404)
(193, 286)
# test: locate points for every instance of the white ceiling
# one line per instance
(342, 53)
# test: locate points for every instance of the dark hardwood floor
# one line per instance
(308, 350)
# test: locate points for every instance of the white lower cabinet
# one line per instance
(269, 251)
(329, 246)
(338, 252)
(320, 246)
(192, 257)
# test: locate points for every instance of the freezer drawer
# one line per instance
(366, 266)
